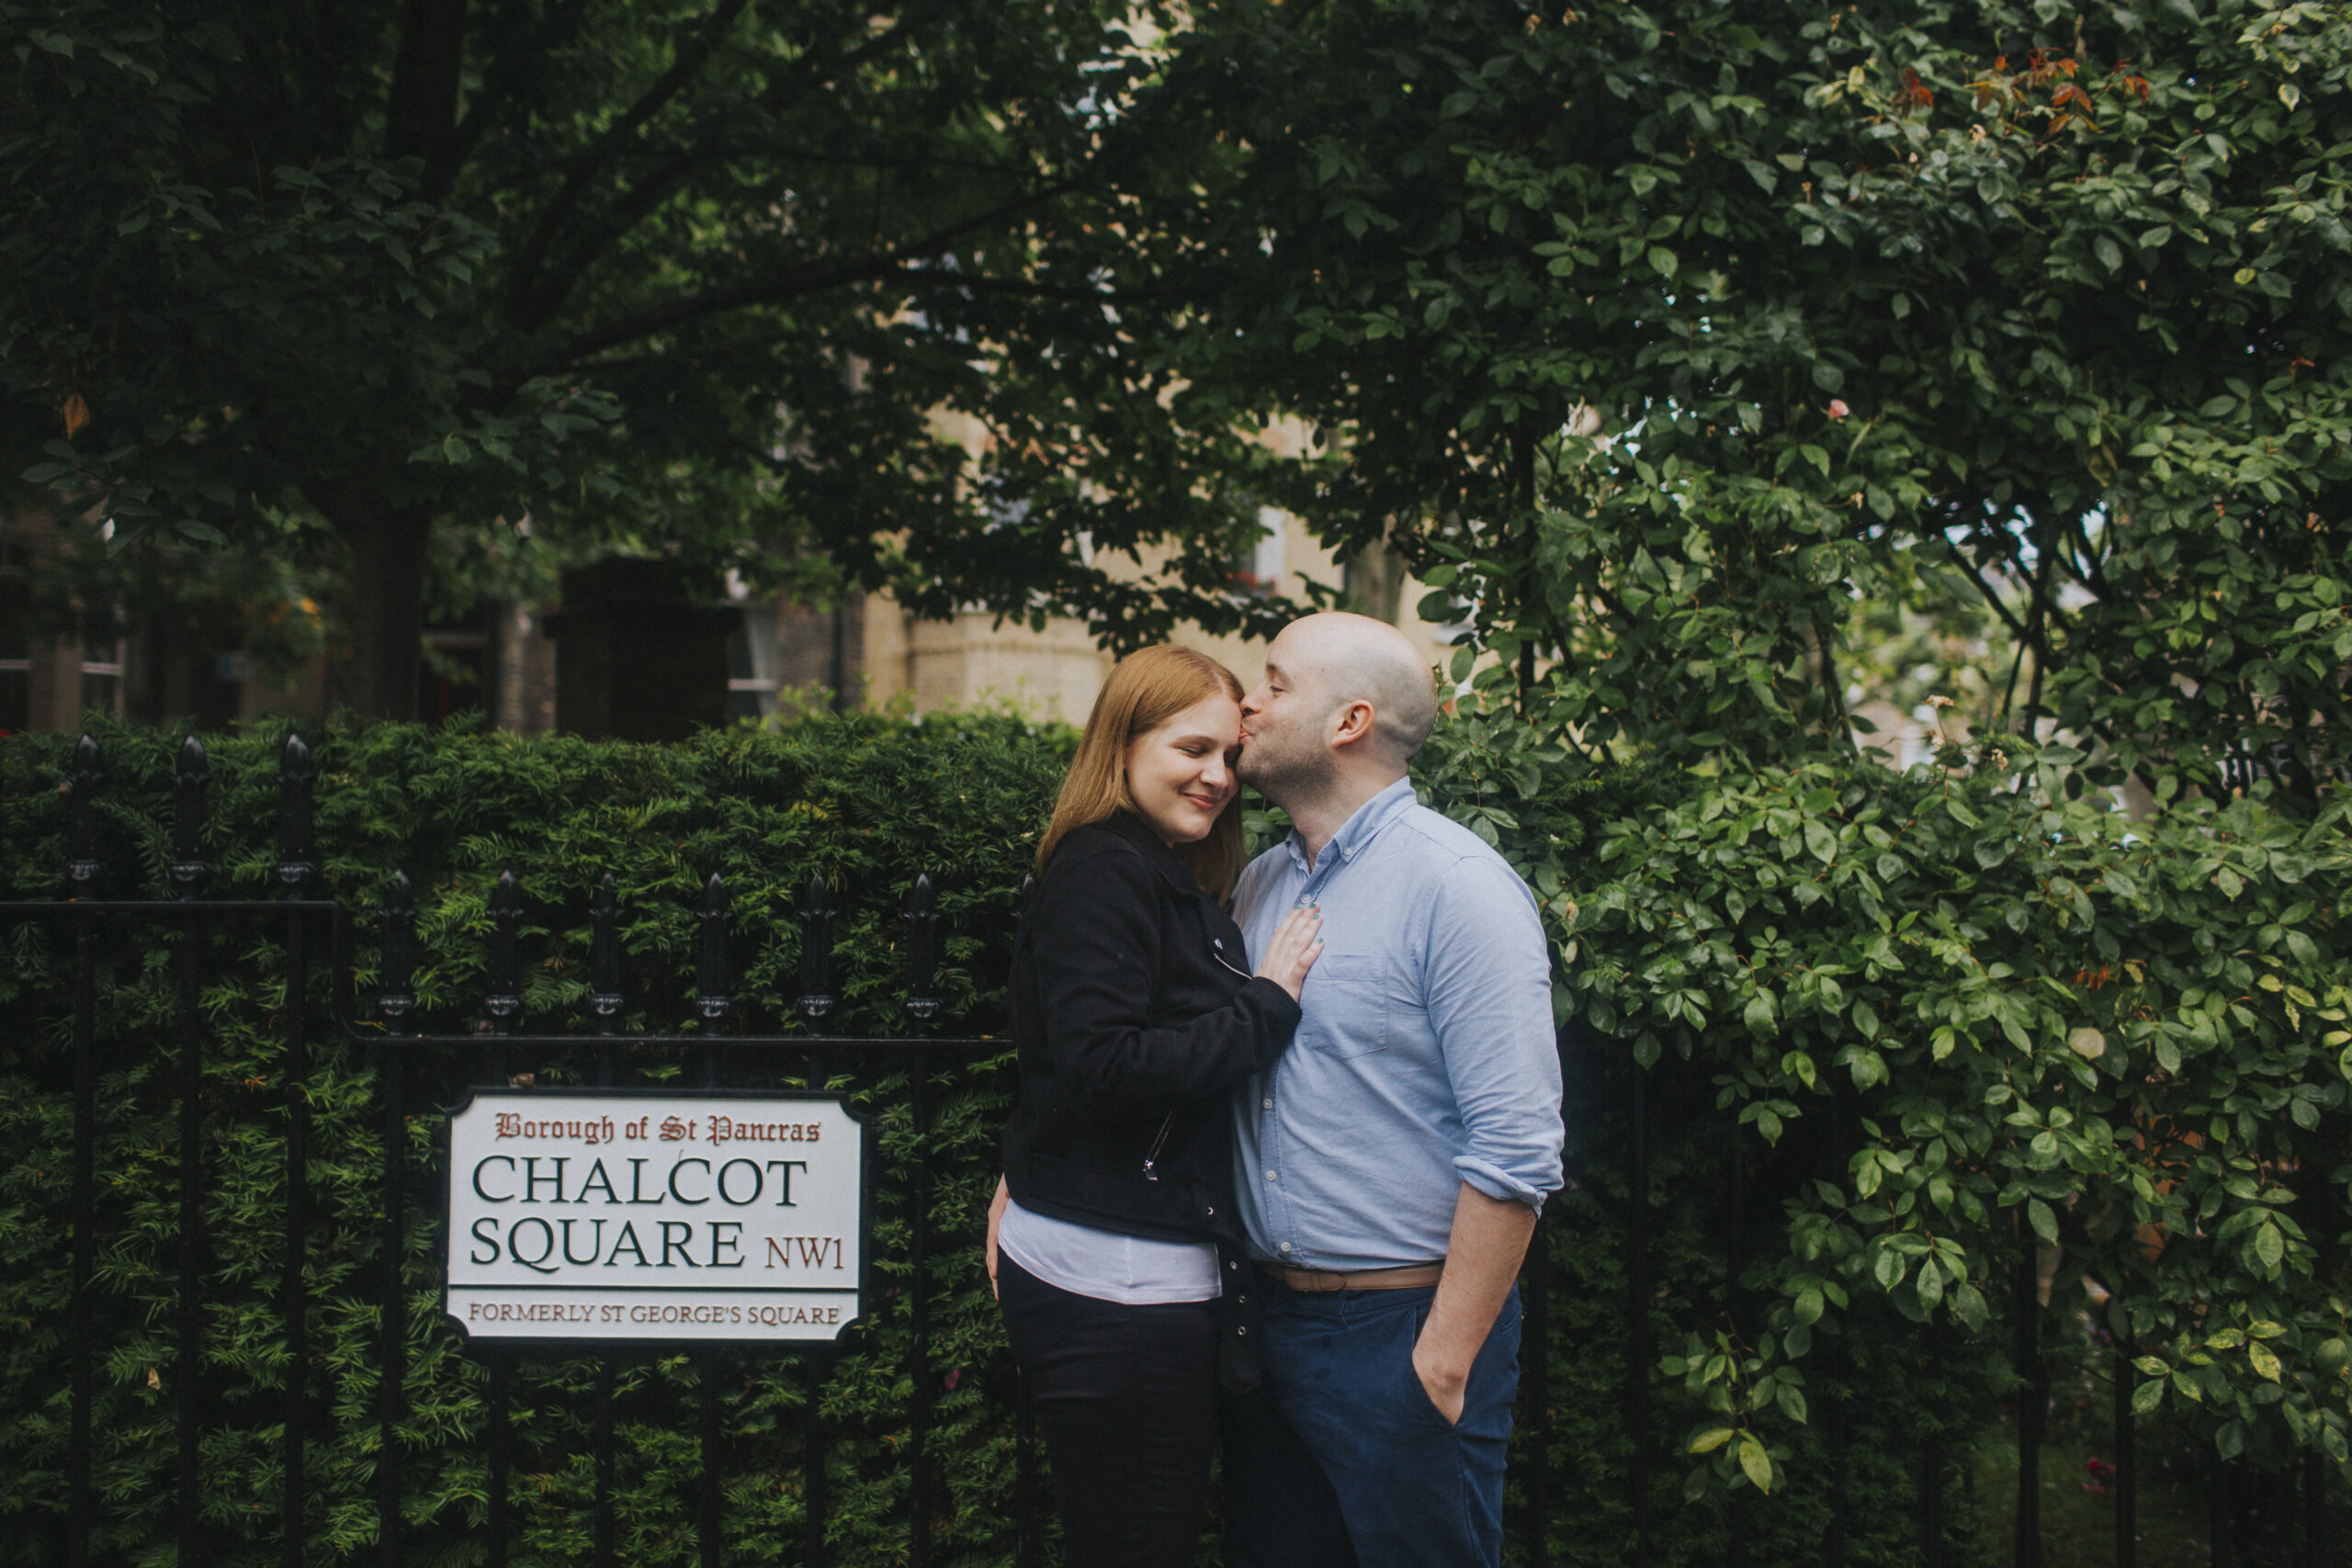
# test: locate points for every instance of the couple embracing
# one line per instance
(1283, 1131)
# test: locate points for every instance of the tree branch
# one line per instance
(590, 163)
(420, 111)
(509, 70)
(981, 283)
(1982, 587)
(796, 284)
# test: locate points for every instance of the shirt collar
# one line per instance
(1358, 831)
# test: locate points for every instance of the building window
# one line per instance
(102, 660)
(454, 675)
(1259, 567)
(751, 678)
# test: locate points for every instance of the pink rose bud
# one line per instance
(1837, 409)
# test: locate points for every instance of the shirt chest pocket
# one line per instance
(1353, 1000)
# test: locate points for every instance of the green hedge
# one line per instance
(865, 803)
(1837, 971)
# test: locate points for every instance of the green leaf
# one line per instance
(1708, 1442)
(2147, 1396)
(1662, 261)
(1756, 1464)
(2045, 1222)
(2269, 1246)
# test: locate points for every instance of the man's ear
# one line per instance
(1354, 724)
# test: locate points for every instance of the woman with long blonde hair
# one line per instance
(1112, 1242)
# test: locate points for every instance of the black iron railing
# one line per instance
(389, 1025)
(305, 918)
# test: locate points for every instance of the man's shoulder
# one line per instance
(1451, 856)
(1426, 832)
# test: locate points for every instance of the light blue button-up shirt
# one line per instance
(1425, 1056)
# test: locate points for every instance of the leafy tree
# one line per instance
(1666, 335)
(682, 276)
(1683, 348)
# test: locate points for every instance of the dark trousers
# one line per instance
(1339, 1461)
(1126, 1402)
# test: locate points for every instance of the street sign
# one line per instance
(654, 1215)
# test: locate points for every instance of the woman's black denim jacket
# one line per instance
(1135, 1017)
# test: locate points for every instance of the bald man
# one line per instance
(1393, 1162)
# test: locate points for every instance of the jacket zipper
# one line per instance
(1151, 1159)
(1216, 952)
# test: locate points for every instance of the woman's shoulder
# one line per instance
(1091, 862)
(1109, 841)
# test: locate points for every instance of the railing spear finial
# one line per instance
(505, 978)
(922, 949)
(83, 866)
(604, 954)
(713, 982)
(296, 857)
(191, 786)
(816, 949)
(398, 996)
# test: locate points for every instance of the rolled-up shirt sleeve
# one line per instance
(1487, 983)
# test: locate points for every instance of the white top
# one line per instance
(1105, 1265)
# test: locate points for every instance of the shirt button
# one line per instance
(1285, 1247)
(1267, 1104)
(1270, 1175)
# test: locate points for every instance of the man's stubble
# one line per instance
(1287, 776)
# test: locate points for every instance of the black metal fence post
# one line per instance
(296, 867)
(2033, 1399)
(605, 1002)
(922, 1004)
(1637, 1320)
(504, 1002)
(394, 1001)
(2221, 1515)
(815, 1004)
(1535, 1355)
(84, 873)
(713, 988)
(2127, 1462)
(1931, 1464)
(1736, 1308)
(1024, 1415)
(2316, 1537)
(189, 873)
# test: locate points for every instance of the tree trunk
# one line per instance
(376, 675)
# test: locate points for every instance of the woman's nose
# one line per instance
(1215, 771)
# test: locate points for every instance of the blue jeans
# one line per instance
(1339, 1461)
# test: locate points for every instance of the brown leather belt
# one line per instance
(1319, 1280)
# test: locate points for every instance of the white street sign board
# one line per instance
(619, 1214)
